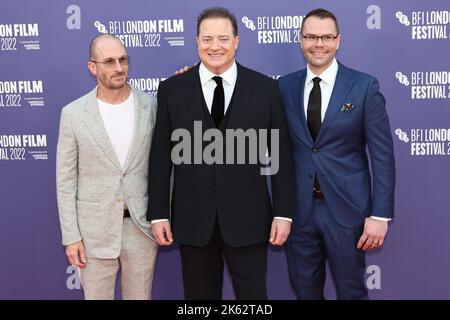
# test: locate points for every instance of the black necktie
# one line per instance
(314, 116)
(314, 109)
(218, 105)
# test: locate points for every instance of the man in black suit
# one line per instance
(221, 209)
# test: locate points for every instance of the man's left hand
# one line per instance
(182, 70)
(373, 235)
(279, 232)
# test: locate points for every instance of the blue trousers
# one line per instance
(322, 238)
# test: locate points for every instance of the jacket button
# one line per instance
(315, 150)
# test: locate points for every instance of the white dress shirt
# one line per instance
(328, 77)
(326, 86)
(208, 84)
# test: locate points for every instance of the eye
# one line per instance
(328, 37)
(311, 37)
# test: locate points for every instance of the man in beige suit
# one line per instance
(101, 172)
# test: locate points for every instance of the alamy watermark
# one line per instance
(235, 147)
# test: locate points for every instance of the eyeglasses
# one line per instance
(326, 39)
(111, 63)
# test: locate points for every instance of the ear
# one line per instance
(236, 42)
(92, 68)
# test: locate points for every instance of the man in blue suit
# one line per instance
(342, 208)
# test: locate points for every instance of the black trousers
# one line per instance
(203, 269)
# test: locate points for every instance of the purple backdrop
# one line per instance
(43, 55)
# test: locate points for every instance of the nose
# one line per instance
(118, 67)
(321, 41)
(215, 45)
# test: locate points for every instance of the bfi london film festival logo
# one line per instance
(145, 33)
(426, 84)
(286, 29)
(275, 29)
(426, 24)
(426, 142)
(18, 36)
(19, 147)
(148, 85)
(17, 93)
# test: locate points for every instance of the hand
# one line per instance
(182, 70)
(279, 232)
(162, 233)
(76, 255)
(373, 234)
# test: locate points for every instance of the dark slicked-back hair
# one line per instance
(322, 14)
(95, 40)
(217, 12)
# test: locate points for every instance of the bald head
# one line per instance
(93, 52)
(108, 62)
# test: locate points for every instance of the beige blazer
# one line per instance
(91, 184)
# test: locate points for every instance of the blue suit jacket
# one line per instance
(339, 154)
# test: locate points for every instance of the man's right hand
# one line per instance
(76, 255)
(162, 233)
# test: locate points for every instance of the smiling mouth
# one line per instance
(320, 54)
(215, 55)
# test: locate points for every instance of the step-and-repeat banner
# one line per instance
(43, 66)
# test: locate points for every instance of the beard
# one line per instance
(113, 84)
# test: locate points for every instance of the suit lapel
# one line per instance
(300, 90)
(241, 96)
(97, 129)
(341, 89)
(141, 115)
(295, 109)
(192, 91)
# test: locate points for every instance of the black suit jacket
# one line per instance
(235, 194)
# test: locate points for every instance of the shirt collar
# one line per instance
(228, 76)
(328, 76)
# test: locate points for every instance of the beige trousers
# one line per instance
(137, 264)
